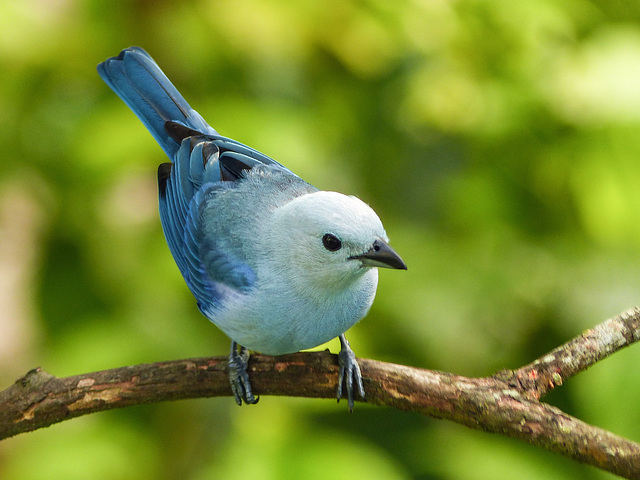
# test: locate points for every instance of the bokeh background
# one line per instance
(498, 141)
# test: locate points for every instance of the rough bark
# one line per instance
(507, 403)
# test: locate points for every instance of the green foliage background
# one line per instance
(498, 141)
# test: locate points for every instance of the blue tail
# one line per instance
(136, 78)
(201, 160)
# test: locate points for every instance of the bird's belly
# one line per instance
(275, 327)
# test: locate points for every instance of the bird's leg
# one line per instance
(238, 376)
(349, 371)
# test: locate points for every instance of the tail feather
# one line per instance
(203, 163)
(136, 78)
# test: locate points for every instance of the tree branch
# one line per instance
(506, 403)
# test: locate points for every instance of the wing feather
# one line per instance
(204, 165)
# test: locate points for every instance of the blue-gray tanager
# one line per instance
(276, 264)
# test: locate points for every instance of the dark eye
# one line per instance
(331, 242)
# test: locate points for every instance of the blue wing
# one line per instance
(204, 163)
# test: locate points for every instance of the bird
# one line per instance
(275, 263)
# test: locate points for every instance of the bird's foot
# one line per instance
(238, 376)
(349, 372)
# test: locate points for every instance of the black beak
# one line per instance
(381, 255)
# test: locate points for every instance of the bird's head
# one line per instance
(332, 239)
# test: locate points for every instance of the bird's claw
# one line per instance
(239, 377)
(349, 372)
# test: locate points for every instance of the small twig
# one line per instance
(580, 353)
(506, 403)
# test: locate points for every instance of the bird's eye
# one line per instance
(331, 242)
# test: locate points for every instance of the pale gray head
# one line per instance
(332, 239)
